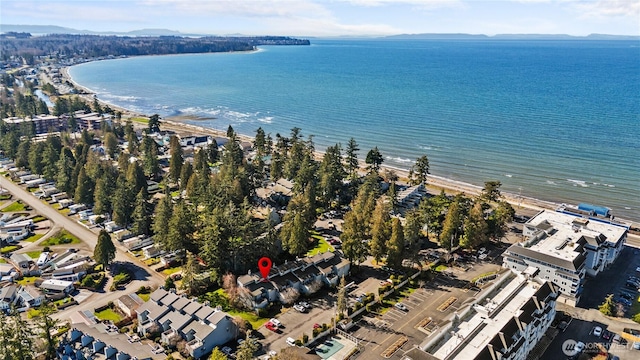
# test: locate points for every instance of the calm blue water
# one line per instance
(558, 119)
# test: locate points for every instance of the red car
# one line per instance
(269, 325)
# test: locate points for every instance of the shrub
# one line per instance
(305, 338)
(144, 290)
(46, 249)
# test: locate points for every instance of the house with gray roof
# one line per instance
(178, 317)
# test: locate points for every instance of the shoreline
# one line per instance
(434, 183)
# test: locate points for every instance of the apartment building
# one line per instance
(564, 248)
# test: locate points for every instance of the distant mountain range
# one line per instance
(53, 29)
(511, 37)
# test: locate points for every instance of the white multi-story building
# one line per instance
(507, 324)
(564, 248)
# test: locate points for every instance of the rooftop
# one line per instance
(497, 315)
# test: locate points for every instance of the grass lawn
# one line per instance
(144, 297)
(61, 237)
(152, 261)
(34, 238)
(64, 211)
(440, 268)
(254, 319)
(635, 307)
(322, 246)
(39, 218)
(27, 280)
(8, 249)
(15, 206)
(108, 314)
(33, 313)
(34, 254)
(140, 120)
(171, 270)
(3, 261)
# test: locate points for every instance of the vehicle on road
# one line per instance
(401, 306)
(597, 331)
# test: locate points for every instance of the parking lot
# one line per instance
(612, 281)
(583, 331)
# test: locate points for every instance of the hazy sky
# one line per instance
(333, 17)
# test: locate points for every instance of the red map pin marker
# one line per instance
(264, 264)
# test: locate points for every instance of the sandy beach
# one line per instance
(435, 183)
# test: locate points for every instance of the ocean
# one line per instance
(554, 120)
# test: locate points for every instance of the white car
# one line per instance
(597, 331)
(291, 341)
(401, 306)
(300, 308)
(276, 322)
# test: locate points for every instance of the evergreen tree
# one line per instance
(154, 124)
(161, 218)
(35, 157)
(176, 160)
(354, 234)
(111, 144)
(331, 173)
(475, 228)
(185, 174)
(151, 165)
(181, 228)
(212, 151)
(412, 235)
(65, 171)
(123, 202)
(491, 191)
(341, 298)
(84, 189)
(395, 245)
(499, 219)
(420, 170)
(260, 142)
(374, 159)
(105, 251)
(295, 231)
(22, 154)
(141, 215)
(352, 159)
(189, 272)
(50, 158)
(452, 226)
(136, 178)
(433, 210)
(380, 230)
(103, 195)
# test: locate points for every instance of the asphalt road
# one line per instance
(142, 275)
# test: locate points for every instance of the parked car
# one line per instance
(305, 304)
(227, 350)
(607, 335)
(275, 322)
(291, 341)
(299, 308)
(597, 331)
(269, 325)
(401, 306)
